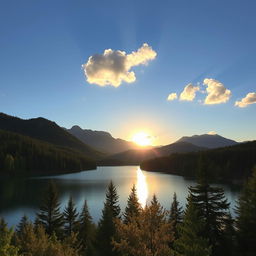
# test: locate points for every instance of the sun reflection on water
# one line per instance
(142, 188)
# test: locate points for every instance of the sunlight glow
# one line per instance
(142, 188)
(142, 139)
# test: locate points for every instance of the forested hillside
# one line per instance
(234, 162)
(47, 131)
(23, 155)
(137, 156)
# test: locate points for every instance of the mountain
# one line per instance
(133, 157)
(208, 141)
(23, 155)
(103, 141)
(222, 164)
(47, 131)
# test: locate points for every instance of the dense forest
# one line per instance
(21, 155)
(47, 131)
(228, 163)
(204, 228)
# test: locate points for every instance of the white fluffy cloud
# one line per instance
(217, 93)
(113, 67)
(189, 92)
(172, 96)
(250, 98)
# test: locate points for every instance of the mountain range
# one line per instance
(90, 146)
(102, 141)
(208, 141)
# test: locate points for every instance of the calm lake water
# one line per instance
(19, 197)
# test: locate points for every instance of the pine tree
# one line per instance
(133, 207)
(23, 222)
(106, 227)
(49, 215)
(6, 235)
(191, 241)
(145, 234)
(86, 231)
(213, 208)
(175, 215)
(246, 220)
(70, 217)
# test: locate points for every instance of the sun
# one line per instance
(142, 139)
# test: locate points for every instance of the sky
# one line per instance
(169, 68)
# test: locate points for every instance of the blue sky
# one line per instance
(43, 45)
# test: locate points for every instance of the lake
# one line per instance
(23, 196)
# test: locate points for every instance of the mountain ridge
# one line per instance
(101, 140)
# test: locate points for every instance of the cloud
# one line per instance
(217, 93)
(189, 92)
(250, 98)
(212, 133)
(113, 67)
(172, 96)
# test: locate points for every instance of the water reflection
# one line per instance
(142, 188)
(24, 196)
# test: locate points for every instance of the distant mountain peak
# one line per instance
(208, 140)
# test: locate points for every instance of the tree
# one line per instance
(86, 231)
(246, 220)
(70, 217)
(191, 241)
(36, 242)
(133, 207)
(6, 248)
(146, 234)
(213, 208)
(23, 222)
(175, 215)
(49, 215)
(106, 227)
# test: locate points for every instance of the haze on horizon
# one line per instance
(168, 68)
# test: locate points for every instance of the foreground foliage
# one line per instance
(205, 228)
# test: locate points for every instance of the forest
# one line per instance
(23, 155)
(224, 164)
(204, 228)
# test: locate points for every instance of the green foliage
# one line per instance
(146, 234)
(49, 216)
(106, 227)
(246, 220)
(23, 155)
(224, 164)
(35, 242)
(47, 131)
(175, 216)
(213, 208)
(6, 235)
(133, 207)
(191, 241)
(70, 217)
(86, 231)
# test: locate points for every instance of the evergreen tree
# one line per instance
(35, 242)
(213, 208)
(146, 234)
(23, 222)
(70, 217)
(6, 235)
(49, 215)
(86, 231)
(191, 241)
(175, 215)
(133, 207)
(106, 227)
(246, 220)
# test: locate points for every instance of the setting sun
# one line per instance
(142, 139)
